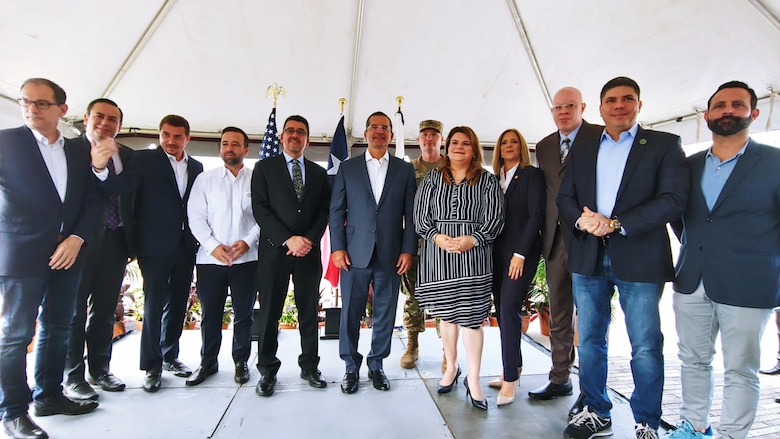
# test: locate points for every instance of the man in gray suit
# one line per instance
(728, 271)
(372, 242)
(552, 153)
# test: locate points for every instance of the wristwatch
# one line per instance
(615, 224)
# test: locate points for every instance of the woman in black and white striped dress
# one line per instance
(459, 210)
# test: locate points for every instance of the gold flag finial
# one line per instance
(399, 100)
(275, 90)
(342, 103)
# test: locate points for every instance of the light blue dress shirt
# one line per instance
(610, 165)
(715, 174)
(288, 159)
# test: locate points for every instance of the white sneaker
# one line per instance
(643, 431)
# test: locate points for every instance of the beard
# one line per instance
(231, 160)
(728, 125)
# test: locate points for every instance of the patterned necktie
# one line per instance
(565, 149)
(113, 219)
(297, 178)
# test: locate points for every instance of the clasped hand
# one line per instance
(594, 223)
(449, 244)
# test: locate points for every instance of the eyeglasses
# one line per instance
(291, 131)
(569, 106)
(378, 127)
(40, 103)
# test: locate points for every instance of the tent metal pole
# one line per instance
(529, 50)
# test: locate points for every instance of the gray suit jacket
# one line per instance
(360, 225)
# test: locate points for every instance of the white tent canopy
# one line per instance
(487, 64)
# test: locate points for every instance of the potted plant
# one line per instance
(289, 318)
(227, 313)
(539, 297)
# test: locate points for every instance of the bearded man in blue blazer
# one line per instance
(49, 210)
(728, 272)
(372, 242)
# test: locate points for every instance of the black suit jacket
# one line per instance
(652, 192)
(31, 212)
(548, 156)
(279, 213)
(160, 212)
(126, 201)
(524, 213)
(735, 247)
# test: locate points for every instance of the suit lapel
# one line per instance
(165, 163)
(514, 183)
(40, 164)
(364, 175)
(697, 169)
(191, 175)
(633, 161)
(742, 169)
(391, 173)
(285, 177)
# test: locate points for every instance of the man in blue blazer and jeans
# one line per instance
(728, 272)
(49, 209)
(618, 193)
(372, 242)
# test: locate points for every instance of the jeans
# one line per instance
(639, 301)
(55, 294)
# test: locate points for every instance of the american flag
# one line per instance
(270, 146)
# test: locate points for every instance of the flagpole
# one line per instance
(270, 144)
(399, 130)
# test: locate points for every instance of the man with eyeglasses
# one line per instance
(552, 155)
(617, 196)
(372, 242)
(430, 140)
(290, 196)
(104, 270)
(41, 236)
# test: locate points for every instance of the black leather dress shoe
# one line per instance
(108, 382)
(314, 377)
(242, 372)
(379, 379)
(177, 367)
(200, 375)
(265, 387)
(350, 383)
(579, 406)
(80, 391)
(551, 391)
(152, 381)
(62, 405)
(774, 370)
(23, 428)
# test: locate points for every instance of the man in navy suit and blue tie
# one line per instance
(372, 242)
(728, 272)
(617, 196)
(49, 209)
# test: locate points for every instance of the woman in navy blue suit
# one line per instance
(517, 249)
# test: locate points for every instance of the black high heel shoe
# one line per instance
(448, 388)
(482, 405)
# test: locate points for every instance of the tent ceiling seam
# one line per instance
(529, 50)
(771, 17)
(139, 45)
(355, 63)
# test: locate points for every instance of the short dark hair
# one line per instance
(737, 84)
(176, 121)
(106, 101)
(59, 93)
(297, 118)
(379, 113)
(620, 81)
(236, 130)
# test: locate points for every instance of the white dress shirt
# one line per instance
(377, 173)
(220, 212)
(54, 157)
(179, 171)
(506, 179)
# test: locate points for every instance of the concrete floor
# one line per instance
(219, 408)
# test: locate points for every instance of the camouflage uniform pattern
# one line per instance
(414, 316)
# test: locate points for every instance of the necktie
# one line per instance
(113, 219)
(297, 178)
(565, 149)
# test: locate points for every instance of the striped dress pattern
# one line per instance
(457, 287)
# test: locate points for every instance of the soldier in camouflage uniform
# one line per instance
(430, 140)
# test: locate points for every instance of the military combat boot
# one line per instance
(409, 358)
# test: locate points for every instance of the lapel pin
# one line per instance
(642, 141)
